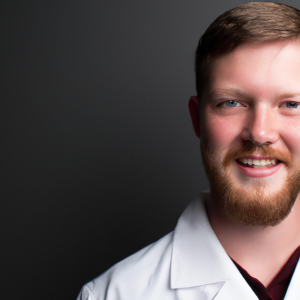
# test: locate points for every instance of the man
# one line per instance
(240, 240)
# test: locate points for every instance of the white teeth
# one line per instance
(258, 163)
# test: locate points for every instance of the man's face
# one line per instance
(250, 131)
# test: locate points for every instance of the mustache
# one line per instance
(264, 150)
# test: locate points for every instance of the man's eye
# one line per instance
(291, 105)
(231, 103)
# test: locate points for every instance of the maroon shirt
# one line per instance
(277, 288)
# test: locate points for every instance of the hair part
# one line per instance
(254, 22)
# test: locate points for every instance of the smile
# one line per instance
(258, 163)
(258, 166)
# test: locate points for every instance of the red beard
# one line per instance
(253, 207)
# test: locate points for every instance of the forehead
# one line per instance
(260, 70)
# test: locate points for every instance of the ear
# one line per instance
(195, 114)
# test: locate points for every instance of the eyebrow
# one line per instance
(227, 92)
(289, 95)
(240, 93)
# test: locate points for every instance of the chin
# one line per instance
(256, 204)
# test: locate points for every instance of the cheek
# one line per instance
(220, 133)
(290, 134)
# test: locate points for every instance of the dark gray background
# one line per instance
(98, 155)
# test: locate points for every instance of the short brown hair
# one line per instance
(252, 22)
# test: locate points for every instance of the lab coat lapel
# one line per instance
(200, 267)
(228, 290)
(204, 292)
(293, 291)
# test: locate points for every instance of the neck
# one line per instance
(261, 251)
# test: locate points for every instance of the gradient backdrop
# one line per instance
(98, 155)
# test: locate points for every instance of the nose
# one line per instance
(260, 126)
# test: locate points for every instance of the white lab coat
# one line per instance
(187, 264)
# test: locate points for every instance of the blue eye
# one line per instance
(291, 105)
(231, 103)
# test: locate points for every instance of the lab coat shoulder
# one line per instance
(134, 277)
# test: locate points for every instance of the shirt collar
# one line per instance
(198, 257)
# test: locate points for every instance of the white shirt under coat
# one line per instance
(186, 264)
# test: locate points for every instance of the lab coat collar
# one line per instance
(201, 268)
(198, 258)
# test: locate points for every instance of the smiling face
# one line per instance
(250, 131)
